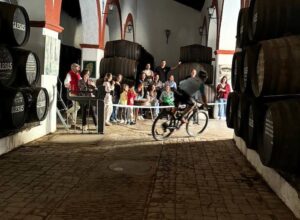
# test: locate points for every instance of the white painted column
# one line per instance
(91, 58)
(46, 45)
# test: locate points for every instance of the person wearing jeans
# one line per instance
(71, 83)
(223, 90)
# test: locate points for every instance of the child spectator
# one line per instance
(131, 95)
(123, 101)
(152, 98)
(116, 97)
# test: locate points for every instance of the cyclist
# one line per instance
(187, 90)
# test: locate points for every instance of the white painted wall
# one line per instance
(229, 24)
(114, 25)
(72, 35)
(34, 8)
(90, 24)
(227, 34)
(154, 16)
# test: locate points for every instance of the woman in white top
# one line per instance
(109, 88)
(149, 74)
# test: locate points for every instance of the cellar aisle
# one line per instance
(126, 175)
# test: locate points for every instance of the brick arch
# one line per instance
(106, 10)
(129, 19)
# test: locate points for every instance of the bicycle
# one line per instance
(167, 122)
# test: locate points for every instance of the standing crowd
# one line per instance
(153, 88)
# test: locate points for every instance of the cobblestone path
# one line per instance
(126, 175)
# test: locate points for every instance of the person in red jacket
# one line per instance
(131, 95)
(71, 83)
(223, 90)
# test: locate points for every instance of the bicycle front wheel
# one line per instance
(197, 123)
(163, 126)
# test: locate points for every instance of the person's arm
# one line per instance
(67, 81)
(172, 98)
(175, 85)
(161, 98)
(227, 91)
(175, 67)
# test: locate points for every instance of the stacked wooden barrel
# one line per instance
(200, 58)
(22, 100)
(124, 57)
(264, 107)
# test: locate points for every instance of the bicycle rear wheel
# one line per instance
(197, 123)
(163, 126)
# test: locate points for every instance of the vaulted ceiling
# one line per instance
(196, 4)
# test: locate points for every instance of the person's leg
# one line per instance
(219, 105)
(223, 108)
(84, 111)
(93, 110)
(109, 111)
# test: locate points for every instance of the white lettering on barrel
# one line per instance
(19, 26)
(245, 76)
(269, 130)
(6, 66)
(255, 16)
(16, 109)
(41, 104)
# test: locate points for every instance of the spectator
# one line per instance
(123, 111)
(223, 90)
(158, 85)
(87, 88)
(109, 88)
(149, 74)
(131, 95)
(162, 70)
(71, 83)
(116, 98)
(140, 99)
(172, 83)
(152, 98)
(142, 80)
(167, 96)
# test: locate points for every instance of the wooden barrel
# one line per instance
(26, 66)
(231, 108)
(242, 116)
(184, 71)
(122, 48)
(37, 103)
(15, 28)
(236, 70)
(196, 53)
(280, 148)
(249, 64)
(18, 67)
(270, 19)
(117, 65)
(210, 92)
(257, 112)
(7, 75)
(242, 38)
(277, 67)
(12, 109)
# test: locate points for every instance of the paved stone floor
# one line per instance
(125, 174)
